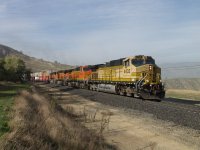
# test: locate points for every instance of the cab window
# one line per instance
(127, 63)
(137, 62)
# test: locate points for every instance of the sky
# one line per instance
(80, 32)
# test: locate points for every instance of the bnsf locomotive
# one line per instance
(136, 76)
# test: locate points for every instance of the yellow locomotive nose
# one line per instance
(154, 74)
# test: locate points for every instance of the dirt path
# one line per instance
(39, 123)
(128, 130)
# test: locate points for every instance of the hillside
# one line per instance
(183, 88)
(180, 70)
(183, 84)
(182, 75)
(33, 63)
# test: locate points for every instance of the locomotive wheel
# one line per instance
(121, 92)
(129, 94)
(136, 95)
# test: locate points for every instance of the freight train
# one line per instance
(136, 76)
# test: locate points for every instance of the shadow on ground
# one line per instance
(183, 101)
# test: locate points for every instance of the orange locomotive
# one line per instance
(80, 74)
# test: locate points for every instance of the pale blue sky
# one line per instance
(94, 31)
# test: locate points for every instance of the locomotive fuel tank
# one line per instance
(109, 88)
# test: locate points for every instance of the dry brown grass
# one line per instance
(40, 123)
(29, 130)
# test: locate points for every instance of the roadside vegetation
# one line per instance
(8, 91)
(39, 122)
(13, 74)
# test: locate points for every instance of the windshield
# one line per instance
(137, 62)
(140, 62)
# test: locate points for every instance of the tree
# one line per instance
(15, 68)
(2, 69)
(12, 68)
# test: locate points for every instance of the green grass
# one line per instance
(7, 93)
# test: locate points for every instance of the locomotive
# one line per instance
(136, 76)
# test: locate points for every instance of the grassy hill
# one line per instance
(33, 63)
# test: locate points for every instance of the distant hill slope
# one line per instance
(183, 83)
(181, 76)
(33, 63)
(180, 70)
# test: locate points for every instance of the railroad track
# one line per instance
(185, 114)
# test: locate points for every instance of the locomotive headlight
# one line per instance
(150, 67)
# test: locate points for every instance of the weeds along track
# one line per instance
(28, 128)
(40, 123)
(181, 114)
